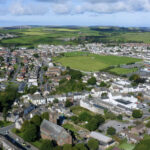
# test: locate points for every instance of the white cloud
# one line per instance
(72, 7)
(62, 8)
(19, 8)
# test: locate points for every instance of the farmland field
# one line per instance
(33, 36)
(92, 62)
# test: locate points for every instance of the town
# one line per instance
(45, 104)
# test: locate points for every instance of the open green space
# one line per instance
(143, 144)
(77, 110)
(92, 62)
(31, 37)
(126, 146)
(5, 123)
(123, 71)
(70, 127)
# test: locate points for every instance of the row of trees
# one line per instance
(136, 79)
(50, 145)
(30, 130)
(7, 98)
(93, 121)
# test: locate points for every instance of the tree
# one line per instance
(45, 68)
(30, 134)
(36, 55)
(47, 145)
(56, 100)
(67, 147)
(148, 124)
(110, 115)
(92, 124)
(25, 125)
(119, 117)
(134, 77)
(36, 120)
(80, 146)
(45, 115)
(5, 113)
(75, 119)
(111, 131)
(68, 103)
(103, 84)
(92, 81)
(1, 59)
(137, 113)
(85, 116)
(31, 89)
(93, 144)
(104, 95)
(75, 74)
(58, 148)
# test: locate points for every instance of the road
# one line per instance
(6, 131)
(41, 78)
(16, 73)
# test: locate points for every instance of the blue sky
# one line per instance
(75, 12)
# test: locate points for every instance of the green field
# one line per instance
(34, 36)
(126, 146)
(42, 35)
(77, 110)
(92, 62)
(4, 123)
(122, 71)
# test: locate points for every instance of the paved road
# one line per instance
(41, 78)
(6, 131)
(16, 73)
(21, 141)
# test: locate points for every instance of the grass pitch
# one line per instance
(123, 71)
(91, 62)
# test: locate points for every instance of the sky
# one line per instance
(125, 13)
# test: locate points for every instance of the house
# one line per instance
(35, 99)
(104, 141)
(52, 131)
(28, 108)
(21, 87)
(18, 123)
(78, 96)
(92, 106)
(53, 72)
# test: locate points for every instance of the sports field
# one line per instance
(123, 71)
(92, 62)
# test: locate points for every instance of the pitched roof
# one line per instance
(100, 137)
(53, 130)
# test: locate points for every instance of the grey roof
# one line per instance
(100, 137)
(36, 97)
(53, 130)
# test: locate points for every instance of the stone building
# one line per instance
(52, 131)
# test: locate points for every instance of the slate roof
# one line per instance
(53, 130)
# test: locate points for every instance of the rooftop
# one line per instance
(100, 137)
